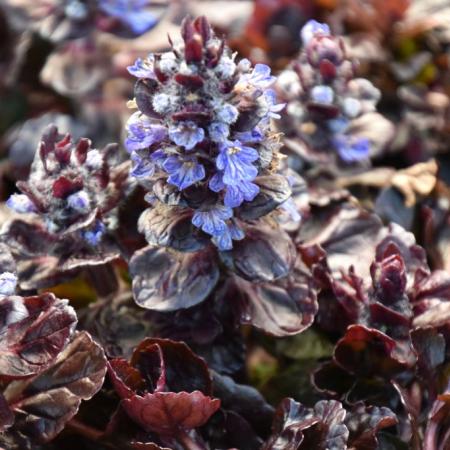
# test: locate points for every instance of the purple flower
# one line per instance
(322, 94)
(186, 134)
(224, 240)
(142, 167)
(8, 283)
(235, 195)
(227, 113)
(183, 171)
(143, 133)
(130, 12)
(313, 28)
(142, 68)
(218, 131)
(212, 220)
(259, 77)
(95, 234)
(20, 203)
(79, 201)
(351, 149)
(250, 137)
(274, 108)
(235, 160)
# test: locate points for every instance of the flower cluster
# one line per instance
(203, 130)
(71, 187)
(324, 97)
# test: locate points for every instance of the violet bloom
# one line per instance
(259, 77)
(186, 134)
(142, 167)
(143, 133)
(212, 220)
(142, 68)
(130, 12)
(235, 160)
(95, 234)
(183, 171)
(235, 195)
(79, 201)
(20, 203)
(322, 94)
(218, 131)
(8, 283)
(224, 240)
(313, 28)
(273, 107)
(352, 149)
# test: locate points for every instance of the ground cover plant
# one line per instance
(224, 231)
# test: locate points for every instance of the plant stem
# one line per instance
(85, 430)
(188, 442)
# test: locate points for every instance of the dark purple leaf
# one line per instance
(266, 254)
(34, 331)
(167, 281)
(181, 369)
(274, 190)
(366, 351)
(245, 401)
(281, 308)
(291, 420)
(365, 422)
(45, 403)
(171, 227)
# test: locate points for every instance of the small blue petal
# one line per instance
(130, 12)
(186, 134)
(142, 69)
(313, 28)
(183, 172)
(79, 201)
(259, 77)
(227, 113)
(216, 183)
(142, 167)
(94, 235)
(322, 94)
(235, 161)
(352, 149)
(235, 195)
(212, 221)
(218, 131)
(143, 133)
(20, 203)
(250, 137)
(8, 283)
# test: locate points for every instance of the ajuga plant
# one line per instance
(392, 331)
(330, 115)
(69, 203)
(202, 146)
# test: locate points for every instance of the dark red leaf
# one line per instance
(166, 412)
